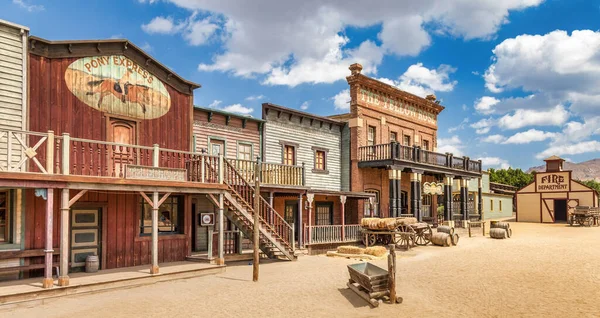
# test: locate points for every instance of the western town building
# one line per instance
(553, 195)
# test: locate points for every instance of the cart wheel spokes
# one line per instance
(423, 236)
(589, 221)
(372, 239)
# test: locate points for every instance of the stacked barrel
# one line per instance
(500, 230)
(444, 236)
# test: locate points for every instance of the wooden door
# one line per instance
(122, 132)
(217, 147)
(85, 235)
(291, 216)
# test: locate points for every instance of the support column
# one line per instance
(415, 186)
(300, 223)
(309, 197)
(63, 279)
(220, 219)
(448, 182)
(420, 195)
(48, 281)
(464, 198)
(394, 176)
(343, 210)
(154, 268)
(480, 198)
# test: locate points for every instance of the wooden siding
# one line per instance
(203, 205)
(232, 133)
(54, 107)
(122, 246)
(13, 85)
(345, 159)
(304, 134)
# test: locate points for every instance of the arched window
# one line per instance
(367, 212)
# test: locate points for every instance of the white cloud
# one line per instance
(29, 7)
(529, 136)
(341, 101)
(453, 145)
(494, 162)
(116, 36)
(485, 104)
(147, 1)
(146, 47)
(495, 139)
(305, 105)
(215, 103)
(421, 81)
(195, 32)
(483, 126)
(238, 108)
(296, 42)
(460, 126)
(571, 149)
(255, 97)
(524, 117)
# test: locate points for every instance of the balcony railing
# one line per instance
(46, 153)
(396, 151)
(271, 173)
(318, 234)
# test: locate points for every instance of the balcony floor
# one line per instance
(382, 164)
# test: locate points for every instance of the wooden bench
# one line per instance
(4, 255)
(471, 224)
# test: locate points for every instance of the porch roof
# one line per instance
(349, 194)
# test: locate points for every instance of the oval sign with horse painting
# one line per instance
(116, 85)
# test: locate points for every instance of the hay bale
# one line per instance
(378, 223)
(377, 251)
(405, 221)
(347, 249)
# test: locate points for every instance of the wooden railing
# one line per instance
(47, 153)
(396, 151)
(267, 214)
(271, 173)
(231, 243)
(332, 233)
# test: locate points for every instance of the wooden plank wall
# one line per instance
(123, 245)
(232, 133)
(54, 107)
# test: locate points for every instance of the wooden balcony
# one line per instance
(271, 174)
(320, 234)
(45, 156)
(380, 156)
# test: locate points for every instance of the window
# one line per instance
(375, 204)
(407, 140)
(320, 160)
(170, 216)
(426, 144)
(4, 218)
(289, 214)
(289, 155)
(500, 206)
(393, 137)
(491, 205)
(371, 136)
(244, 151)
(324, 213)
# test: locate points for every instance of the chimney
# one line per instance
(431, 98)
(355, 68)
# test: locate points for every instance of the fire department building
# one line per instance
(392, 152)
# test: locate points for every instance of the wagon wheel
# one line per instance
(589, 221)
(405, 237)
(385, 239)
(580, 221)
(571, 220)
(372, 239)
(423, 236)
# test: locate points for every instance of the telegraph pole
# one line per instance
(255, 240)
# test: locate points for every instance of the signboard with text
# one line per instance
(553, 182)
(153, 173)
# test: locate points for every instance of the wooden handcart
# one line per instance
(403, 232)
(585, 216)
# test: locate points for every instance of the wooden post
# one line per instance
(63, 279)
(210, 243)
(255, 239)
(300, 223)
(49, 152)
(48, 281)
(293, 239)
(221, 168)
(372, 207)
(392, 273)
(221, 229)
(66, 154)
(154, 268)
(309, 198)
(239, 239)
(271, 215)
(155, 156)
(342, 208)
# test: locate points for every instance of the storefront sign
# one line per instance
(433, 188)
(152, 173)
(203, 124)
(552, 182)
(207, 219)
(116, 85)
(396, 105)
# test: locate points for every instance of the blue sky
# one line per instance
(520, 79)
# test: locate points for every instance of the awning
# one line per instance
(349, 194)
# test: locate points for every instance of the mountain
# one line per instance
(587, 170)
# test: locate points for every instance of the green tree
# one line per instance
(592, 184)
(514, 177)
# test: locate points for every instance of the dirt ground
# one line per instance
(543, 270)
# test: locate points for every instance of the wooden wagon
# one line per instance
(372, 283)
(404, 232)
(585, 216)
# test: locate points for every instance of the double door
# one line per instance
(86, 231)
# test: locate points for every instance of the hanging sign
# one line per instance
(433, 188)
(207, 219)
(154, 173)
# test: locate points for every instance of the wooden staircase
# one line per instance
(275, 234)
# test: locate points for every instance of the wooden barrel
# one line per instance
(501, 225)
(91, 264)
(454, 238)
(446, 229)
(498, 233)
(508, 232)
(441, 239)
